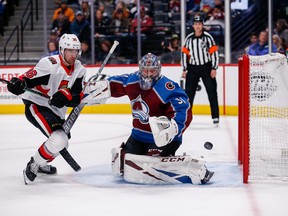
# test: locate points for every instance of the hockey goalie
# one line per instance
(161, 113)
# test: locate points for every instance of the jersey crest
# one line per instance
(140, 110)
(169, 86)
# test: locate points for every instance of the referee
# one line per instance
(200, 59)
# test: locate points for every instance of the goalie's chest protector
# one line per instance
(151, 102)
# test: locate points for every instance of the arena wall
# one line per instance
(227, 78)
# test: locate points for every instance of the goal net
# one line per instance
(263, 118)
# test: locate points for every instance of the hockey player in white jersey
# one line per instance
(61, 78)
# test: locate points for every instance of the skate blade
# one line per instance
(210, 176)
(26, 180)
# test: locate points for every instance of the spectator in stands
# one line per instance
(67, 11)
(122, 6)
(85, 8)
(104, 47)
(174, 6)
(171, 45)
(119, 24)
(171, 50)
(217, 12)
(52, 47)
(261, 47)
(281, 30)
(253, 38)
(100, 24)
(146, 23)
(278, 42)
(133, 10)
(192, 6)
(85, 57)
(206, 5)
(61, 24)
(79, 24)
(53, 35)
(103, 9)
(215, 17)
(215, 24)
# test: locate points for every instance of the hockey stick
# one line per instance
(64, 152)
(72, 117)
(28, 89)
(76, 110)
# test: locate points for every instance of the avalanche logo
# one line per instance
(262, 85)
(140, 110)
(169, 86)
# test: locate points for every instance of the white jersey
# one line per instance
(48, 76)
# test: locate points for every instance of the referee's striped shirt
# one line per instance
(199, 51)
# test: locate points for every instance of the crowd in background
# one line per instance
(117, 19)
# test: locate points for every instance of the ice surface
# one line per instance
(93, 190)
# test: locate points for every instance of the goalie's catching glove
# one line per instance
(163, 130)
(96, 92)
(61, 98)
(16, 86)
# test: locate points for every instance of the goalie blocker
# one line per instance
(144, 169)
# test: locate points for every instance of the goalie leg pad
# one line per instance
(117, 164)
(164, 170)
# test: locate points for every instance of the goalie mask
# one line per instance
(150, 71)
(71, 42)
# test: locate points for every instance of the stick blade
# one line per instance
(70, 160)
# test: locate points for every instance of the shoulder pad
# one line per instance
(52, 60)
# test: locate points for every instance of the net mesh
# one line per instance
(268, 124)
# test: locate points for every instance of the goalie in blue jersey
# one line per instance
(161, 113)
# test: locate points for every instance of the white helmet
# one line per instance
(69, 41)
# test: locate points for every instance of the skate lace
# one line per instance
(34, 167)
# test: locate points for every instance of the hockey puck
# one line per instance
(208, 145)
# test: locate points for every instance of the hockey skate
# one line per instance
(208, 176)
(47, 169)
(30, 173)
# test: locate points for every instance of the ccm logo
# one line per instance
(172, 159)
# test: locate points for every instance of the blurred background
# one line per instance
(30, 29)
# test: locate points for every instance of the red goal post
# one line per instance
(263, 118)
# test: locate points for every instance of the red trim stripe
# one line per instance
(45, 153)
(42, 119)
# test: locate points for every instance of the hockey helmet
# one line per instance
(149, 71)
(69, 41)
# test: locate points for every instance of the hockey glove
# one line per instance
(61, 98)
(16, 86)
(96, 92)
(163, 130)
